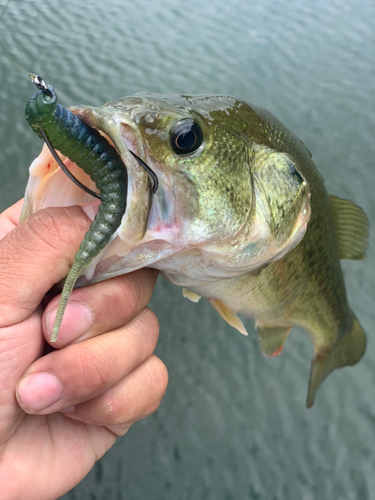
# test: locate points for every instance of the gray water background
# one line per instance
(233, 424)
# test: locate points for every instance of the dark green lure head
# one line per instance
(40, 109)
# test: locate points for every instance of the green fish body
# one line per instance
(241, 217)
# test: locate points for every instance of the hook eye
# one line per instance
(40, 84)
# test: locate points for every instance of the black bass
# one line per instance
(241, 217)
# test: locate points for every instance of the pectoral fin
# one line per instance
(230, 316)
(272, 338)
(188, 294)
(352, 228)
(348, 350)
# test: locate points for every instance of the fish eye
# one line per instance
(186, 137)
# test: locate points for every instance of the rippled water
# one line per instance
(233, 424)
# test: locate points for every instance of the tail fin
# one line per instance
(348, 350)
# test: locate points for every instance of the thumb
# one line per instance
(34, 256)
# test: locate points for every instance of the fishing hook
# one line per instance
(41, 85)
(65, 170)
(150, 172)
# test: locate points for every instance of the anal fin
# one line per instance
(347, 351)
(230, 316)
(272, 338)
(352, 228)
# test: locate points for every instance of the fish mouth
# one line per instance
(132, 246)
(48, 185)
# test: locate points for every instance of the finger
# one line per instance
(10, 218)
(36, 255)
(136, 396)
(18, 349)
(101, 307)
(87, 369)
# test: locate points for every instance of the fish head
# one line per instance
(226, 203)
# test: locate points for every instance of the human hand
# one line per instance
(61, 410)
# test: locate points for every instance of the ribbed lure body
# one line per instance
(90, 151)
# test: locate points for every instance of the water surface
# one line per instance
(233, 424)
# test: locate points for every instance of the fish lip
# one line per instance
(113, 126)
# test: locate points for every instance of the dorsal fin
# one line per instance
(352, 228)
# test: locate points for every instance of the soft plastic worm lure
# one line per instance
(84, 146)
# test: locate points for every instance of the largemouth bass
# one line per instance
(241, 217)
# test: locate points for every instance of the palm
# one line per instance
(52, 448)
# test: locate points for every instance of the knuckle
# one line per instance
(133, 291)
(46, 230)
(8, 267)
(54, 225)
(128, 297)
(42, 227)
(132, 399)
(147, 327)
(95, 369)
(143, 282)
(155, 378)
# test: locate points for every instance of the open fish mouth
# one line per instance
(49, 186)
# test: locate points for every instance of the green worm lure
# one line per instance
(84, 146)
